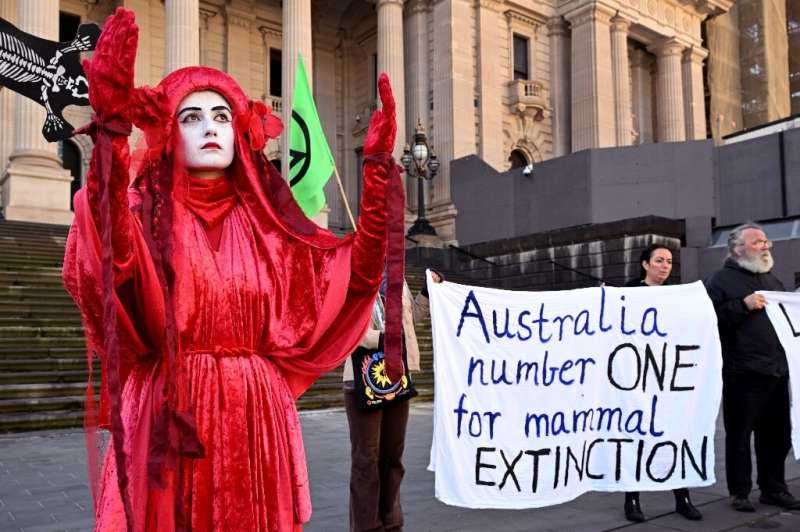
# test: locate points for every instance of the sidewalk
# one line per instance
(43, 488)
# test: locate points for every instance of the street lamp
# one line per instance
(420, 162)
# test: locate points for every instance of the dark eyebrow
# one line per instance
(221, 108)
(189, 109)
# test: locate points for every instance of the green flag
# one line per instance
(310, 158)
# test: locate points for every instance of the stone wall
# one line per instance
(568, 258)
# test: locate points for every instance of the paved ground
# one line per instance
(43, 488)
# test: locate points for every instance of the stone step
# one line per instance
(37, 404)
(61, 389)
(22, 292)
(29, 249)
(20, 365)
(38, 307)
(9, 312)
(51, 344)
(22, 331)
(31, 276)
(42, 377)
(26, 263)
(53, 419)
(23, 352)
(71, 320)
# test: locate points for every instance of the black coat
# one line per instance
(749, 342)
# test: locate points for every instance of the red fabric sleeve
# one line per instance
(121, 225)
(369, 244)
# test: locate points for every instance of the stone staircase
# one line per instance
(42, 352)
(42, 355)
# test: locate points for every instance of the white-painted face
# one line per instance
(205, 123)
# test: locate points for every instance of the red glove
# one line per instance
(369, 248)
(383, 124)
(110, 71)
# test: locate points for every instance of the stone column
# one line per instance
(490, 99)
(8, 11)
(670, 112)
(593, 121)
(417, 81)
(560, 89)
(453, 129)
(183, 34)
(35, 187)
(622, 81)
(237, 45)
(296, 40)
(641, 66)
(390, 60)
(205, 18)
(694, 99)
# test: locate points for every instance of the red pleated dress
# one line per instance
(261, 303)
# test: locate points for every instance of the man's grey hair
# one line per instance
(735, 240)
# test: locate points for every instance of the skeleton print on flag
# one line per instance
(47, 72)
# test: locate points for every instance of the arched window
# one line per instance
(71, 160)
(518, 159)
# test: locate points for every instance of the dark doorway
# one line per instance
(518, 159)
(67, 26)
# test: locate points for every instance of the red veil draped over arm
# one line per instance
(322, 287)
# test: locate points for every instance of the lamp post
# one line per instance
(421, 163)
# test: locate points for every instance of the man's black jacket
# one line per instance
(749, 342)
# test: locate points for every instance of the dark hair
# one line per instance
(647, 254)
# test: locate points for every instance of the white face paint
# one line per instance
(204, 120)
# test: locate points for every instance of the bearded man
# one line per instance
(755, 375)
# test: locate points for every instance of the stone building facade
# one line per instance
(514, 82)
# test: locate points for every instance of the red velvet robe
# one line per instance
(258, 318)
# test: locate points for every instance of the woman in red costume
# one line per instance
(209, 298)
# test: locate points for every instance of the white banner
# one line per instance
(543, 396)
(783, 309)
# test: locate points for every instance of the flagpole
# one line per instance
(344, 197)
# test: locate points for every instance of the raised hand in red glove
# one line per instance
(110, 71)
(383, 124)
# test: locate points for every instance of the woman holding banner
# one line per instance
(377, 416)
(209, 298)
(655, 266)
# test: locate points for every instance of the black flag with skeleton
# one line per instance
(47, 72)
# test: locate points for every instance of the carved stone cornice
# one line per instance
(713, 7)
(206, 14)
(270, 29)
(556, 26)
(382, 3)
(590, 13)
(494, 5)
(240, 19)
(516, 17)
(695, 54)
(620, 24)
(413, 7)
(667, 47)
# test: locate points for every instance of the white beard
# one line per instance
(761, 262)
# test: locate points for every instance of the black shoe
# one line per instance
(685, 507)
(783, 499)
(633, 511)
(741, 503)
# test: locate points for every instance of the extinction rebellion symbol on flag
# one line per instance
(297, 156)
(310, 158)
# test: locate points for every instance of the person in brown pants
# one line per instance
(377, 437)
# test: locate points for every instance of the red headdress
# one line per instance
(330, 313)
